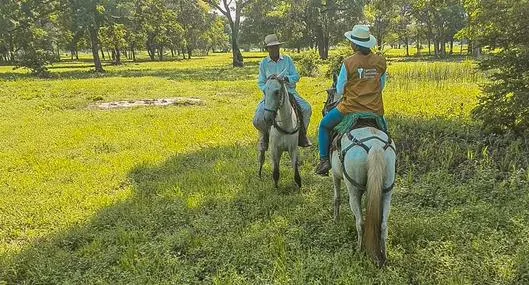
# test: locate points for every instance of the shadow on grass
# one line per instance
(206, 215)
(189, 219)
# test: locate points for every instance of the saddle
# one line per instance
(336, 137)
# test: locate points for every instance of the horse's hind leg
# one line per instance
(355, 202)
(386, 202)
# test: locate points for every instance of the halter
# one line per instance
(282, 92)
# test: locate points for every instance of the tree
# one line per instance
(381, 14)
(215, 37)
(89, 15)
(29, 33)
(504, 106)
(261, 18)
(193, 18)
(232, 10)
(113, 38)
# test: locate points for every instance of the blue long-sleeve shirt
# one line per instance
(284, 67)
(342, 80)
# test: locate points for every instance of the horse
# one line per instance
(284, 127)
(366, 162)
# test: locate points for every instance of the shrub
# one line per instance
(308, 63)
(504, 106)
(336, 60)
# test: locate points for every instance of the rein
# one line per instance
(279, 106)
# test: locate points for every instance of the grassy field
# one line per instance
(171, 196)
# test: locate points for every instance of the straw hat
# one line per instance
(271, 40)
(361, 36)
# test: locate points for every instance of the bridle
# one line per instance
(283, 94)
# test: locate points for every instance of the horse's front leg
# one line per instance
(337, 175)
(276, 157)
(337, 199)
(261, 162)
(294, 157)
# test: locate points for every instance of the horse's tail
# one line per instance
(376, 170)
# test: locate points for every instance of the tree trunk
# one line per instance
(407, 46)
(451, 47)
(322, 42)
(238, 60)
(189, 52)
(95, 49)
(151, 49)
(418, 46)
(429, 47)
(160, 53)
(11, 49)
(118, 56)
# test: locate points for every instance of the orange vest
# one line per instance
(363, 90)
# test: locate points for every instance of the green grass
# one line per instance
(170, 195)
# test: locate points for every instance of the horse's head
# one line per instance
(274, 96)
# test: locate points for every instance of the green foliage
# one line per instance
(307, 63)
(36, 60)
(504, 106)
(336, 59)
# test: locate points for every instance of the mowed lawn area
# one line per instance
(170, 195)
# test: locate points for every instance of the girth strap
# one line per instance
(295, 130)
(357, 142)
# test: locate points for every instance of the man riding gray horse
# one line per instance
(283, 67)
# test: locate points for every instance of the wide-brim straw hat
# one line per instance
(272, 40)
(361, 36)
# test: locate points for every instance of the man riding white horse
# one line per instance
(283, 67)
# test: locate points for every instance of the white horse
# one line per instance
(366, 162)
(285, 125)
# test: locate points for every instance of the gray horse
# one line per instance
(366, 162)
(285, 124)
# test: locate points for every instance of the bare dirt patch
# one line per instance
(149, 103)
